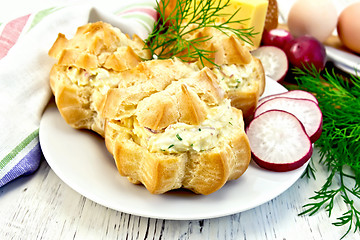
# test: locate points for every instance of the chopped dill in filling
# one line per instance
(231, 78)
(181, 137)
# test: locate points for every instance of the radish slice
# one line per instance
(307, 111)
(274, 61)
(278, 141)
(298, 94)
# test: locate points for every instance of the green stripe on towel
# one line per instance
(136, 5)
(40, 15)
(18, 148)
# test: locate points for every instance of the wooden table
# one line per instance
(42, 206)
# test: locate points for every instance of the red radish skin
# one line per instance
(298, 94)
(306, 50)
(305, 110)
(276, 37)
(274, 61)
(278, 141)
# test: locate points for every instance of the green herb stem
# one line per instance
(339, 144)
(169, 35)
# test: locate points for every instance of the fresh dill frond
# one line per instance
(339, 144)
(178, 19)
(310, 170)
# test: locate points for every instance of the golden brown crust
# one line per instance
(101, 82)
(208, 172)
(124, 58)
(76, 58)
(192, 110)
(72, 101)
(86, 70)
(99, 39)
(140, 82)
(58, 46)
(206, 85)
(202, 172)
(158, 172)
(231, 51)
(222, 48)
(227, 50)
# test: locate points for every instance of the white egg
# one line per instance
(317, 18)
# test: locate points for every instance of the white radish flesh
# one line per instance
(298, 94)
(307, 111)
(278, 141)
(274, 61)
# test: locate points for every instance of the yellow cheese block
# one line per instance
(253, 10)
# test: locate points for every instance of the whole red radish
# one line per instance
(276, 37)
(306, 51)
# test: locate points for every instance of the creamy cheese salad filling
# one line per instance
(98, 78)
(181, 137)
(233, 76)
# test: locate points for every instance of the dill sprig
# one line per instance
(169, 35)
(339, 144)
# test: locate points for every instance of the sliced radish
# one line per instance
(274, 61)
(307, 111)
(278, 141)
(298, 94)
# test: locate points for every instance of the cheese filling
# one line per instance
(98, 79)
(181, 137)
(232, 76)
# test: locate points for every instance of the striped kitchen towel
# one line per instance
(24, 72)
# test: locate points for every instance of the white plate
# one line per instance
(81, 160)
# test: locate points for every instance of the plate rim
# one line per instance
(225, 212)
